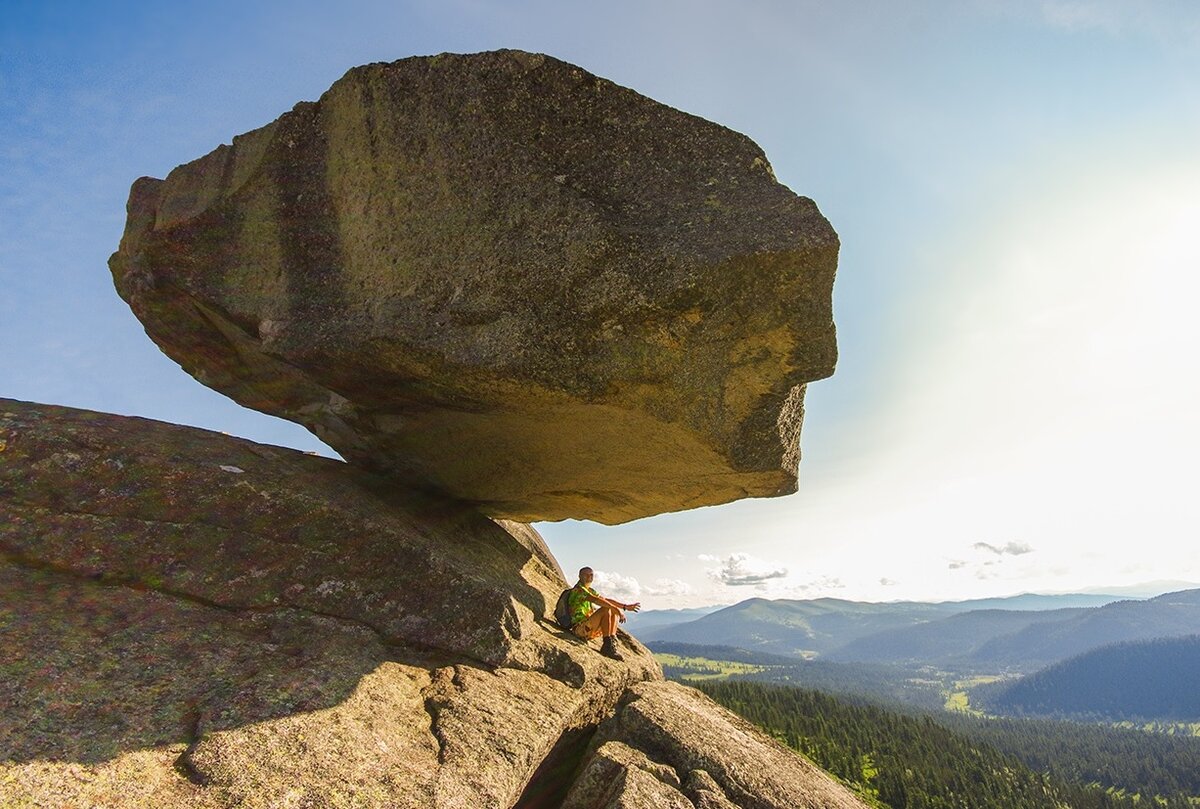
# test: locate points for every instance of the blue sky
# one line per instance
(1017, 190)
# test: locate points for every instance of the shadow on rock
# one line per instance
(91, 671)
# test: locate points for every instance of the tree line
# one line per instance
(1115, 758)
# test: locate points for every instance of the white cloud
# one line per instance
(886, 582)
(614, 585)
(741, 569)
(628, 588)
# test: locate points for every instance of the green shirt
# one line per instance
(581, 608)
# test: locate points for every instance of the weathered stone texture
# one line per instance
(502, 277)
(192, 619)
(248, 526)
(188, 619)
(699, 754)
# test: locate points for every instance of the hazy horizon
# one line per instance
(1137, 592)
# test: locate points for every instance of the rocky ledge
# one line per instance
(189, 619)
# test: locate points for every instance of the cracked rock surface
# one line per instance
(238, 525)
(189, 619)
(669, 745)
(502, 277)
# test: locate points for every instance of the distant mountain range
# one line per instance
(948, 641)
(640, 622)
(1021, 633)
(1169, 615)
(1137, 680)
(797, 628)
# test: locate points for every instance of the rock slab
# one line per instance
(502, 278)
(189, 619)
(669, 745)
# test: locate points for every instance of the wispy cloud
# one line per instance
(741, 569)
(1009, 548)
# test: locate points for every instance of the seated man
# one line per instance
(593, 616)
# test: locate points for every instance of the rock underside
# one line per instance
(501, 278)
(188, 619)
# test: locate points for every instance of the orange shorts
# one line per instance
(589, 627)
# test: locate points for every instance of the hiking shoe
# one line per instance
(608, 648)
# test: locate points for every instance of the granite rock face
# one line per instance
(192, 619)
(189, 619)
(678, 746)
(501, 278)
(228, 522)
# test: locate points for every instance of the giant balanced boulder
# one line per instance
(503, 278)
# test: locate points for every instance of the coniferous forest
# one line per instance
(1118, 758)
(914, 761)
(1155, 679)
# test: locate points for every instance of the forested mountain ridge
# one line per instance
(884, 729)
(819, 626)
(1134, 680)
(946, 642)
(995, 640)
(798, 628)
(951, 635)
(1038, 645)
